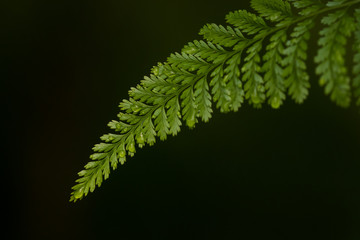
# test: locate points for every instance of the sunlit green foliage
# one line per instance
(260, 58)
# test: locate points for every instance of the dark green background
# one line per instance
(291, 173)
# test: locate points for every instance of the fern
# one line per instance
(260, 58)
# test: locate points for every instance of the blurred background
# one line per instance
(291, 173)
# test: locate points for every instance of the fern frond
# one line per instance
(229, 66)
